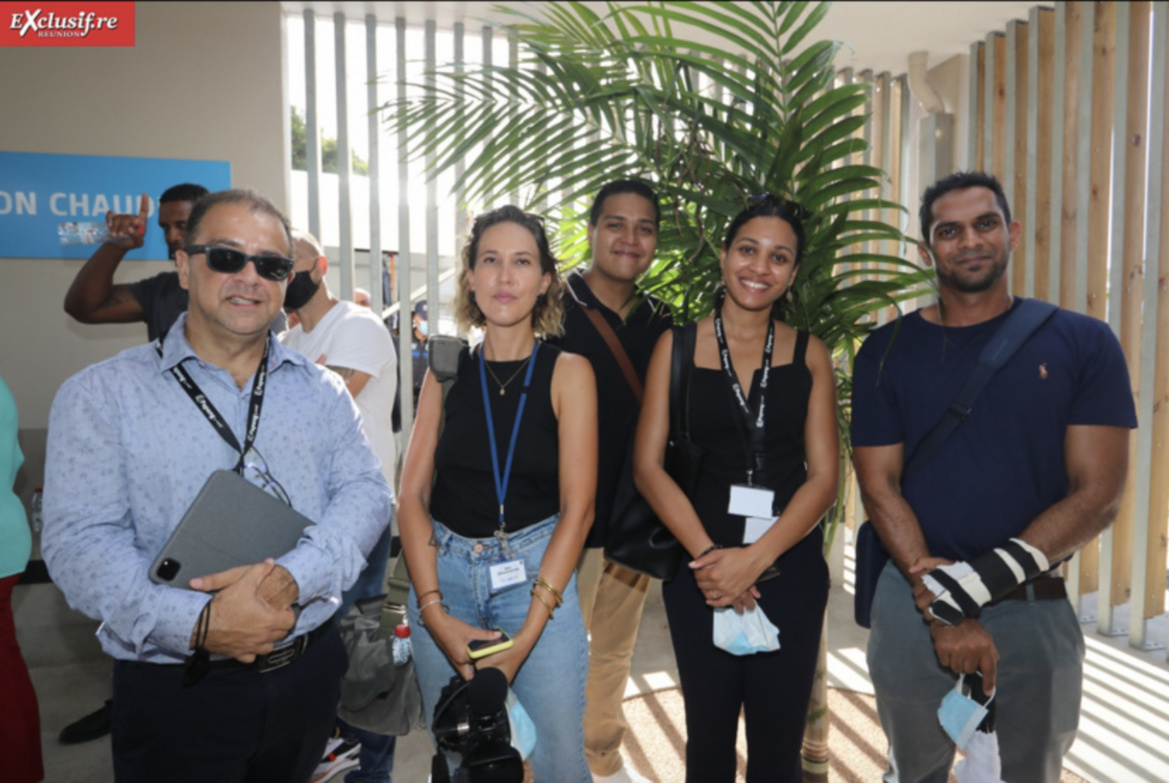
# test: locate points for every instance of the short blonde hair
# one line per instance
(548, 314)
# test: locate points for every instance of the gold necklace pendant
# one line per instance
(504, 384)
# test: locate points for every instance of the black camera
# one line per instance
(473, 733)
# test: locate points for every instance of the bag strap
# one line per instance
(610, 338)
(399, 583)
(1026, 320)
(681, 362)
(616, 348)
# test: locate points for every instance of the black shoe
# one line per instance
(94, 725)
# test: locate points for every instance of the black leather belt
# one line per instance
(1042, 588)
(278, 658)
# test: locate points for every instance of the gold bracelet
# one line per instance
(542, 582)
(429, 604)
(538, 597)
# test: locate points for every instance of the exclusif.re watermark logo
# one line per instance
(66, 24)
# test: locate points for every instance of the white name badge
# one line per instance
(749, 501)
(755, 527)
(507, 574)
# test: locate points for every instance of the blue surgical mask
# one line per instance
(424, 328)
(523, 731)
(960, 715)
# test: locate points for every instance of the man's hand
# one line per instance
(922, 595)
(966, 648)
(243, 623)
(128, 231)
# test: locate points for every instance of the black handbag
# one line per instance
(871, 555)
(635, 537)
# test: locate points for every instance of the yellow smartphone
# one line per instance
(479, 648)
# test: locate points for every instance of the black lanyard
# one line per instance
(213, 415)
(501, 481)
(756, 455)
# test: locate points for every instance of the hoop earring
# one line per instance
(541, 299)
(471, 296)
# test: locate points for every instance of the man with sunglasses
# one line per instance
(237, 677)
(353, 342)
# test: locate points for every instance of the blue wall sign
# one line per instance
(54, 206)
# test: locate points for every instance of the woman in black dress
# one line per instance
(741, 556)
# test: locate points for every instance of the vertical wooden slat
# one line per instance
(460, 216)
(1041, 47)
(907, 198)
(977, 144)
(996, 104)
(430, 57)
(1103, 58)
(1058, 131)
(885, 104)
(1016, 152)
(1082, 571)
(1153, 495)
(1127, 215)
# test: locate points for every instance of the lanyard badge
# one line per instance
(749, 500)
(509, 571)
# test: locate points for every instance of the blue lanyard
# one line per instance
(501, 483)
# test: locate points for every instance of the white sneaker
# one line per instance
(623, 775)
(339, 755)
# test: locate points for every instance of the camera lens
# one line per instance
(168, 569)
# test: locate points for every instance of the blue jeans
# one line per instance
(1040, 679)
(376, 759)
(551, 683)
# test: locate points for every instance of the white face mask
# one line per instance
(961, 715)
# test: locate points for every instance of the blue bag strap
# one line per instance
(1024, 321)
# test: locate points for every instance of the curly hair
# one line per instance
(547, 315)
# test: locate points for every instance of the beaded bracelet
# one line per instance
(540, 598)
(708, 550)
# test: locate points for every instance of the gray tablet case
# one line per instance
(231, 523)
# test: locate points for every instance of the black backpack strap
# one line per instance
(1026, 320)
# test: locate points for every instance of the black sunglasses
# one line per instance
(229, 261)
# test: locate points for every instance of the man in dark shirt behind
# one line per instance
(94, 298)
(623, 237)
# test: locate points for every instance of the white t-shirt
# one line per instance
(352, 337)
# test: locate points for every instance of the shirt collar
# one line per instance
(176, 349)
(583, 295)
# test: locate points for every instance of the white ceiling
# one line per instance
(880, 35)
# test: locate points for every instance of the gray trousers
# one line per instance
(1040, 680)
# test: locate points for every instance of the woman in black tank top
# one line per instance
(494, 511)
(771, 428)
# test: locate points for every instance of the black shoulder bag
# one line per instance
(871, 555)
(635, 537)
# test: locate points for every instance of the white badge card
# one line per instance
(755, 527)
(508, 574)
(749, 501)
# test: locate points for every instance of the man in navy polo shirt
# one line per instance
(976, 534)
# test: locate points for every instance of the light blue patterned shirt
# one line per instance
(128, 451)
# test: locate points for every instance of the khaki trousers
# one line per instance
(615, 596)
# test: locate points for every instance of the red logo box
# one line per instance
(66, 24)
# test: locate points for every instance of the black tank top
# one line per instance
(716, 424)
(464, 496)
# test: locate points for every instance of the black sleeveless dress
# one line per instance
(775, 687)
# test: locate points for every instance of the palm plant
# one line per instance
(710, 102)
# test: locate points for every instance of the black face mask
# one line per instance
(301, 288)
